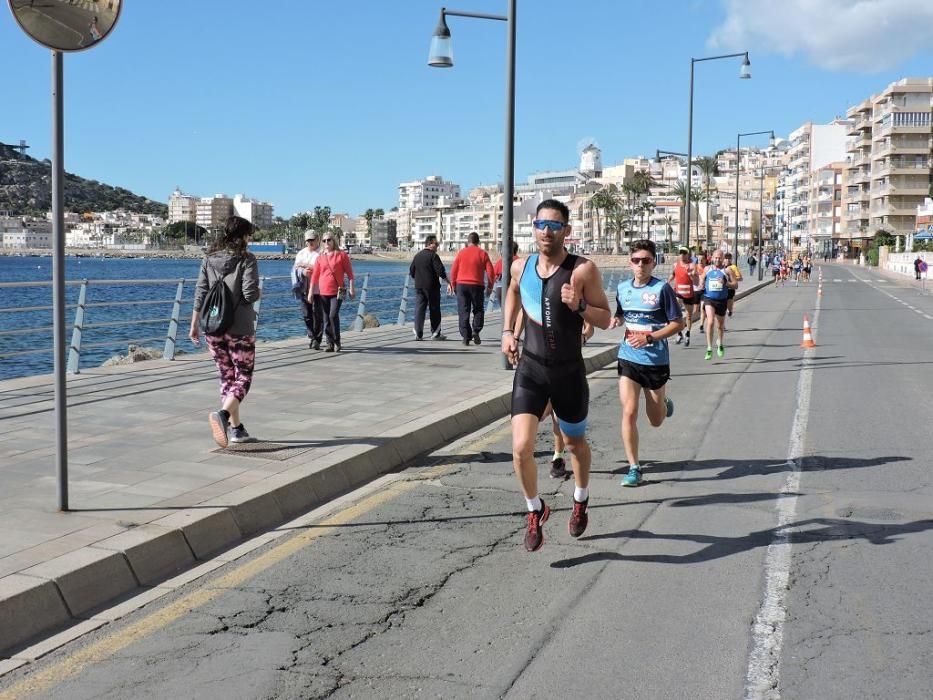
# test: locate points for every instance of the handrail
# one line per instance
(111, 325)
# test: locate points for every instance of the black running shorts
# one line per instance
(689, 301)
(731, 294)
(649, 376)
(719, 305)
(564, 386)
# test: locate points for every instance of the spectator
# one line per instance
(309, 296)
(427, 270)
(330, 271)
(497, 271)
(234, 352)
(917, 267)
(466, 276)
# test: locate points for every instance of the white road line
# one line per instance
(837, 280)
(763, 675)
(928, 316)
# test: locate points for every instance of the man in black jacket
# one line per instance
(427, 269)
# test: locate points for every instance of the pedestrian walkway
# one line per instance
(150, 492)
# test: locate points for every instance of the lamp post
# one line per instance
(761, 221)
(441, 56)
(744, 73)
(738, 141)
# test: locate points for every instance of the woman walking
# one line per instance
(331, 268)
(234, 351)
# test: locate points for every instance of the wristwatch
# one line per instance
(649, 339)
(581, 307)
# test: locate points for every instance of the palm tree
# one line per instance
(680, 191)
(710, 168)
(696, 196)
(606, 200)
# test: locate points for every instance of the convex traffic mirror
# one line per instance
(67, 25)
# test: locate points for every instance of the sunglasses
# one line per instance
(553, 226)
(642, 261)
(328, 240)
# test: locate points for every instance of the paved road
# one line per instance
(780, 549)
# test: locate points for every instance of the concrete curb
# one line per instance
(71, 588)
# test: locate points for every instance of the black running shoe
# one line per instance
(559, 469)
(534, 535)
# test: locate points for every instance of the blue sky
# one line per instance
(307, 102)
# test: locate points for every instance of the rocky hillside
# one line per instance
(26, 183)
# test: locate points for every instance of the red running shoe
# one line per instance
(534, 535)
(578, 519)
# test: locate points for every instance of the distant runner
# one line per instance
(737, 276)
(684, 280)
(716, 285)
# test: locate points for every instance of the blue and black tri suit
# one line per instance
(715, 290)
(551, 366)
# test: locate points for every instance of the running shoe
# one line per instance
(220, 423)
(534, 535)
(329, 348)
(239, 434)
(476, 339)
(578, 518)
(633, 478)
(559, 469)
(687, 340)
(720, 350)
(466, 341)
(438, 336)
(415, 333)
(670, 407)
(709, 354)
(680, 338)
(336, 347)
(317, 344)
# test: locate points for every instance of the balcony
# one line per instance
(860, 141)
(888, 129)
(911, 147)
(859, 160)
(894, 209)
(861, 177)
(901, 167)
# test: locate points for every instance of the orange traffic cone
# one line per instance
(807, 341)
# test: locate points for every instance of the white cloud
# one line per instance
(865, 36)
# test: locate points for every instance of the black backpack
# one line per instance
(218, 308)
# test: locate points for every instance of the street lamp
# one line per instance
(738, 141)
(441, 56)
(744, 73)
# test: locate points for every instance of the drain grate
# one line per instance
(262, 449)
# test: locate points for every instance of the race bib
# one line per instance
(633, 329)
(715, 285)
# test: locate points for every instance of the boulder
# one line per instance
(370, 321)
(134, 353)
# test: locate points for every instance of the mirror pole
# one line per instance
(58, 277)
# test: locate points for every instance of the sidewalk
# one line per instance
(151, 494)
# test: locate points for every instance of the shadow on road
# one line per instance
(813, 530)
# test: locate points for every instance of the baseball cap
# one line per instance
(683, 249)
(311, 235)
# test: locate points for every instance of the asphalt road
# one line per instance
(779, 549)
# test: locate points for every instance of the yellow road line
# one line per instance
(75, 663)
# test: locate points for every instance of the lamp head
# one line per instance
(441, 54)
(745, 72)
(771, 140)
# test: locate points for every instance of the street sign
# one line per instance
(62, 25)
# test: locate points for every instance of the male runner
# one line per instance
(737, 276)
(684, 279)
(648, 308)
(716, 285)
(557, 292)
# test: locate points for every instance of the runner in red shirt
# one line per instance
(685, 279)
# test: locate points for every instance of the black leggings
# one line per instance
(332, 318)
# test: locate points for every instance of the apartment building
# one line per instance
(900, 175)
(812, 148)
(25, 232)
(259, 214)
(182, 207)
(213, 212)
(421, 194)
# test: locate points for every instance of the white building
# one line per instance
(182, 207)
(259, 214)
(421, 194)
(25, 232)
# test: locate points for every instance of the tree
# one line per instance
(710, 168)
(605, 200)
(186, 231)
(680, 191)
(669, 225)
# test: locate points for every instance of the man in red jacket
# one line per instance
(466, 276)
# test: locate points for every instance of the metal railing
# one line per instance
(113, 314)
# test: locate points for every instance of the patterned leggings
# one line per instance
(235, 356)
